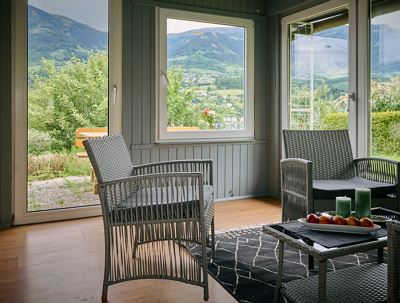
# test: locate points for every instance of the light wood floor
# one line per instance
(63, 261)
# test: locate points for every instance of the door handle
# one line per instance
(350, 97)
(165, 77)
(115, 90)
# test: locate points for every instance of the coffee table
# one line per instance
(364, 283)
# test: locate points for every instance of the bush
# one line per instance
(38, 142)
(385, 131)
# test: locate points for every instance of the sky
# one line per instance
(91, 12)
(179, 26)
(391, 20)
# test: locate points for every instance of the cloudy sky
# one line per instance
(90, 12)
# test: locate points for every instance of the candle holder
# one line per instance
(343, 206)
(363, 202)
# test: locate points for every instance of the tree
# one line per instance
(62, 99)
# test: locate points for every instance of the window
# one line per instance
(385, 79)
(205, 83)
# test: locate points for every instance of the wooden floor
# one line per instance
(63, 261)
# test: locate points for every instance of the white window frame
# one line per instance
(162, 135)
(20, 122)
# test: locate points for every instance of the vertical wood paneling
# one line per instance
(243, 170)
(181, 153)
(221, 171)
(239, 169)
(172, 153)
(197, 152)
(136, 157)
(146, 155)
(189, 152)
(251, 185)
(236, 172)
(214, 157)
(228, 171)
(137, 76)
(164, 154)
(146, 80)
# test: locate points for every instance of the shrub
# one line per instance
(385, 131)
(38, 142)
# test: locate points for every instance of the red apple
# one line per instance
(353, 221)
(324, 219)
(339, 220)
(312, 218)
(366, 222)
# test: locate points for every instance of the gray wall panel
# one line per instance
(234, 163)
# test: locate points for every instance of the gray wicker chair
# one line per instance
(150, 211)
(393, 262)
(319, 165)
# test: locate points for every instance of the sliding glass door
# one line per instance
(385, 79)
(319, 78)
(68, 73)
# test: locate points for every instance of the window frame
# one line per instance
(162, 135)
(20, 114)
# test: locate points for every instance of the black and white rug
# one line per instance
(246, 264)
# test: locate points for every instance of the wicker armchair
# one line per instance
(150, 212)
(319, 165)
(393, 262)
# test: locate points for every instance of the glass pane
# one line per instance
(206, 72)
(319, 72)
(385, 79)
(67, 99)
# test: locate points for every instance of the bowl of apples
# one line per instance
(327, 222)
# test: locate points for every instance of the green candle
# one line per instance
(343, 206)
(363, 202)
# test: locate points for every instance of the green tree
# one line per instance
(62, 99)
(180, 104)
(385, 96)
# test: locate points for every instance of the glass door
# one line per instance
(385, 79)
(319, 74)
(67, 83)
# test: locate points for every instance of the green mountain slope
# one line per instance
(57, 37)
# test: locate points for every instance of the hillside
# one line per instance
(59, 38)
(208, 48)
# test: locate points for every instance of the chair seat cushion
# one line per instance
(156, 203)
(329, 189)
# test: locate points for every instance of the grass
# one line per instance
(57, 165)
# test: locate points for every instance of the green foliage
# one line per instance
(66, 98)
(38, 142)
(385, 131)
(385, 96)
(181, 111)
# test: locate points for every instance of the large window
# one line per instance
(205, 83)
(385, 78)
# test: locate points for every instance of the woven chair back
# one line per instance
(109, 157)
(329, 151)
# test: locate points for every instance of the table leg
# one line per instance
(380, 255)
(280, 271)
(322, 281)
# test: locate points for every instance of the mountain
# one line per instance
(328, 50)
(213, 48)
(59, 38)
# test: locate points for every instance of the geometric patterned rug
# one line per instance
(246, 264)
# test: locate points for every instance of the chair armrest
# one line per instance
(142, 197)
(296, 187)
(203, 166)
(378, 169)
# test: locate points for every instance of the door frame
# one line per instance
(19, 116)
(315, 11)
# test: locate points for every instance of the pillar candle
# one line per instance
(363, 202)
(343, 206)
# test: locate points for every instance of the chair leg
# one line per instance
(212, 239)
(205, 297)
(104, 294)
